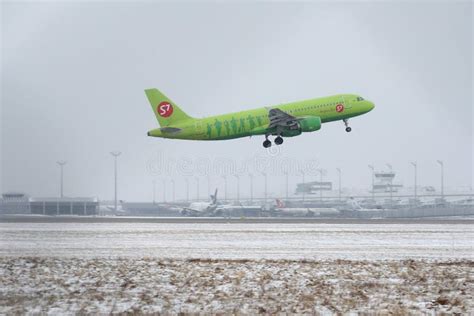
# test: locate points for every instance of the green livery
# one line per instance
(284, 120)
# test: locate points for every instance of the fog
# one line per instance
(73, 76)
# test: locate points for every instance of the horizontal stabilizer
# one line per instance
(170, 130)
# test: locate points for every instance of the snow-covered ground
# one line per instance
(67, 285)
(239, 241)
(66, 268)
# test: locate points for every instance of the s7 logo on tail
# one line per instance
(165, 109)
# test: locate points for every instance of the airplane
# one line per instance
(284, 120)
(354, 206)
(303, 211)
(211, 208)
(108, 209)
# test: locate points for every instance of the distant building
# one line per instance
(384, 182)
(313, 187)
(14, 203)
(64, 206)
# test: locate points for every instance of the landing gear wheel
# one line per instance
(279, 140)
(267, 143)
(346, 123)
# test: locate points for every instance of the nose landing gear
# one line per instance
(346, 123)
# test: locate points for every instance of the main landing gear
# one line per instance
(267, 143)
(346, 123)
(279, 140)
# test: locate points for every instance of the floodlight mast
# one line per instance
(225, 187)
(441, 163)
(154, 192)
(264, 174)
(173, 187)
(115, 154)
(303, 186)
(251, 187)
(286, 183)
(391, 184)
(339, 173)
(197, 188)
(187, 189)
(415, 166)
(61, 164)
(238, 187)
(371, 167)
(321, 171)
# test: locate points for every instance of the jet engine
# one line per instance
(310, 124)
(306, 124)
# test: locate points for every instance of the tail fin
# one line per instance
(166, 111)
(279, 203)
(214, 197)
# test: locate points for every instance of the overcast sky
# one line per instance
(73, 76)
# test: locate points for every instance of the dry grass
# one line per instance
(204, 286)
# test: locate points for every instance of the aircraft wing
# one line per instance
(278, 117)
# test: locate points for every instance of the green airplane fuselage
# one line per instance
(257, 121)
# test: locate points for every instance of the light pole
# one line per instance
(208, 185)
(172, 184)
(225, 187)
(371, 167)
(251, 187)
(442, 177)
(320, 185)
(164, 190)
(197, 188)
(414, 164)
(303, 186)
(391, 183)
(339, 173)
(265, 197)
(61, 164)
(286, 175)
(115, 154)
(238, 187)
(154, 192)
(187, 190)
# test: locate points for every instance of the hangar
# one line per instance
(64, 206)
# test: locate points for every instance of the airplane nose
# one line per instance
(370, 106)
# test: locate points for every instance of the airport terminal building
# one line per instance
(20, 203)
(64, 206)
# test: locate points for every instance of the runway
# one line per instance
(232, 220)
(221, 240)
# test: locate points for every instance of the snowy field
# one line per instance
(239, 241)
(67, 268)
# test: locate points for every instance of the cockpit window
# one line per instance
(360, 99)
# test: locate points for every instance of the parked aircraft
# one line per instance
(211, 208)
(281, 209)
